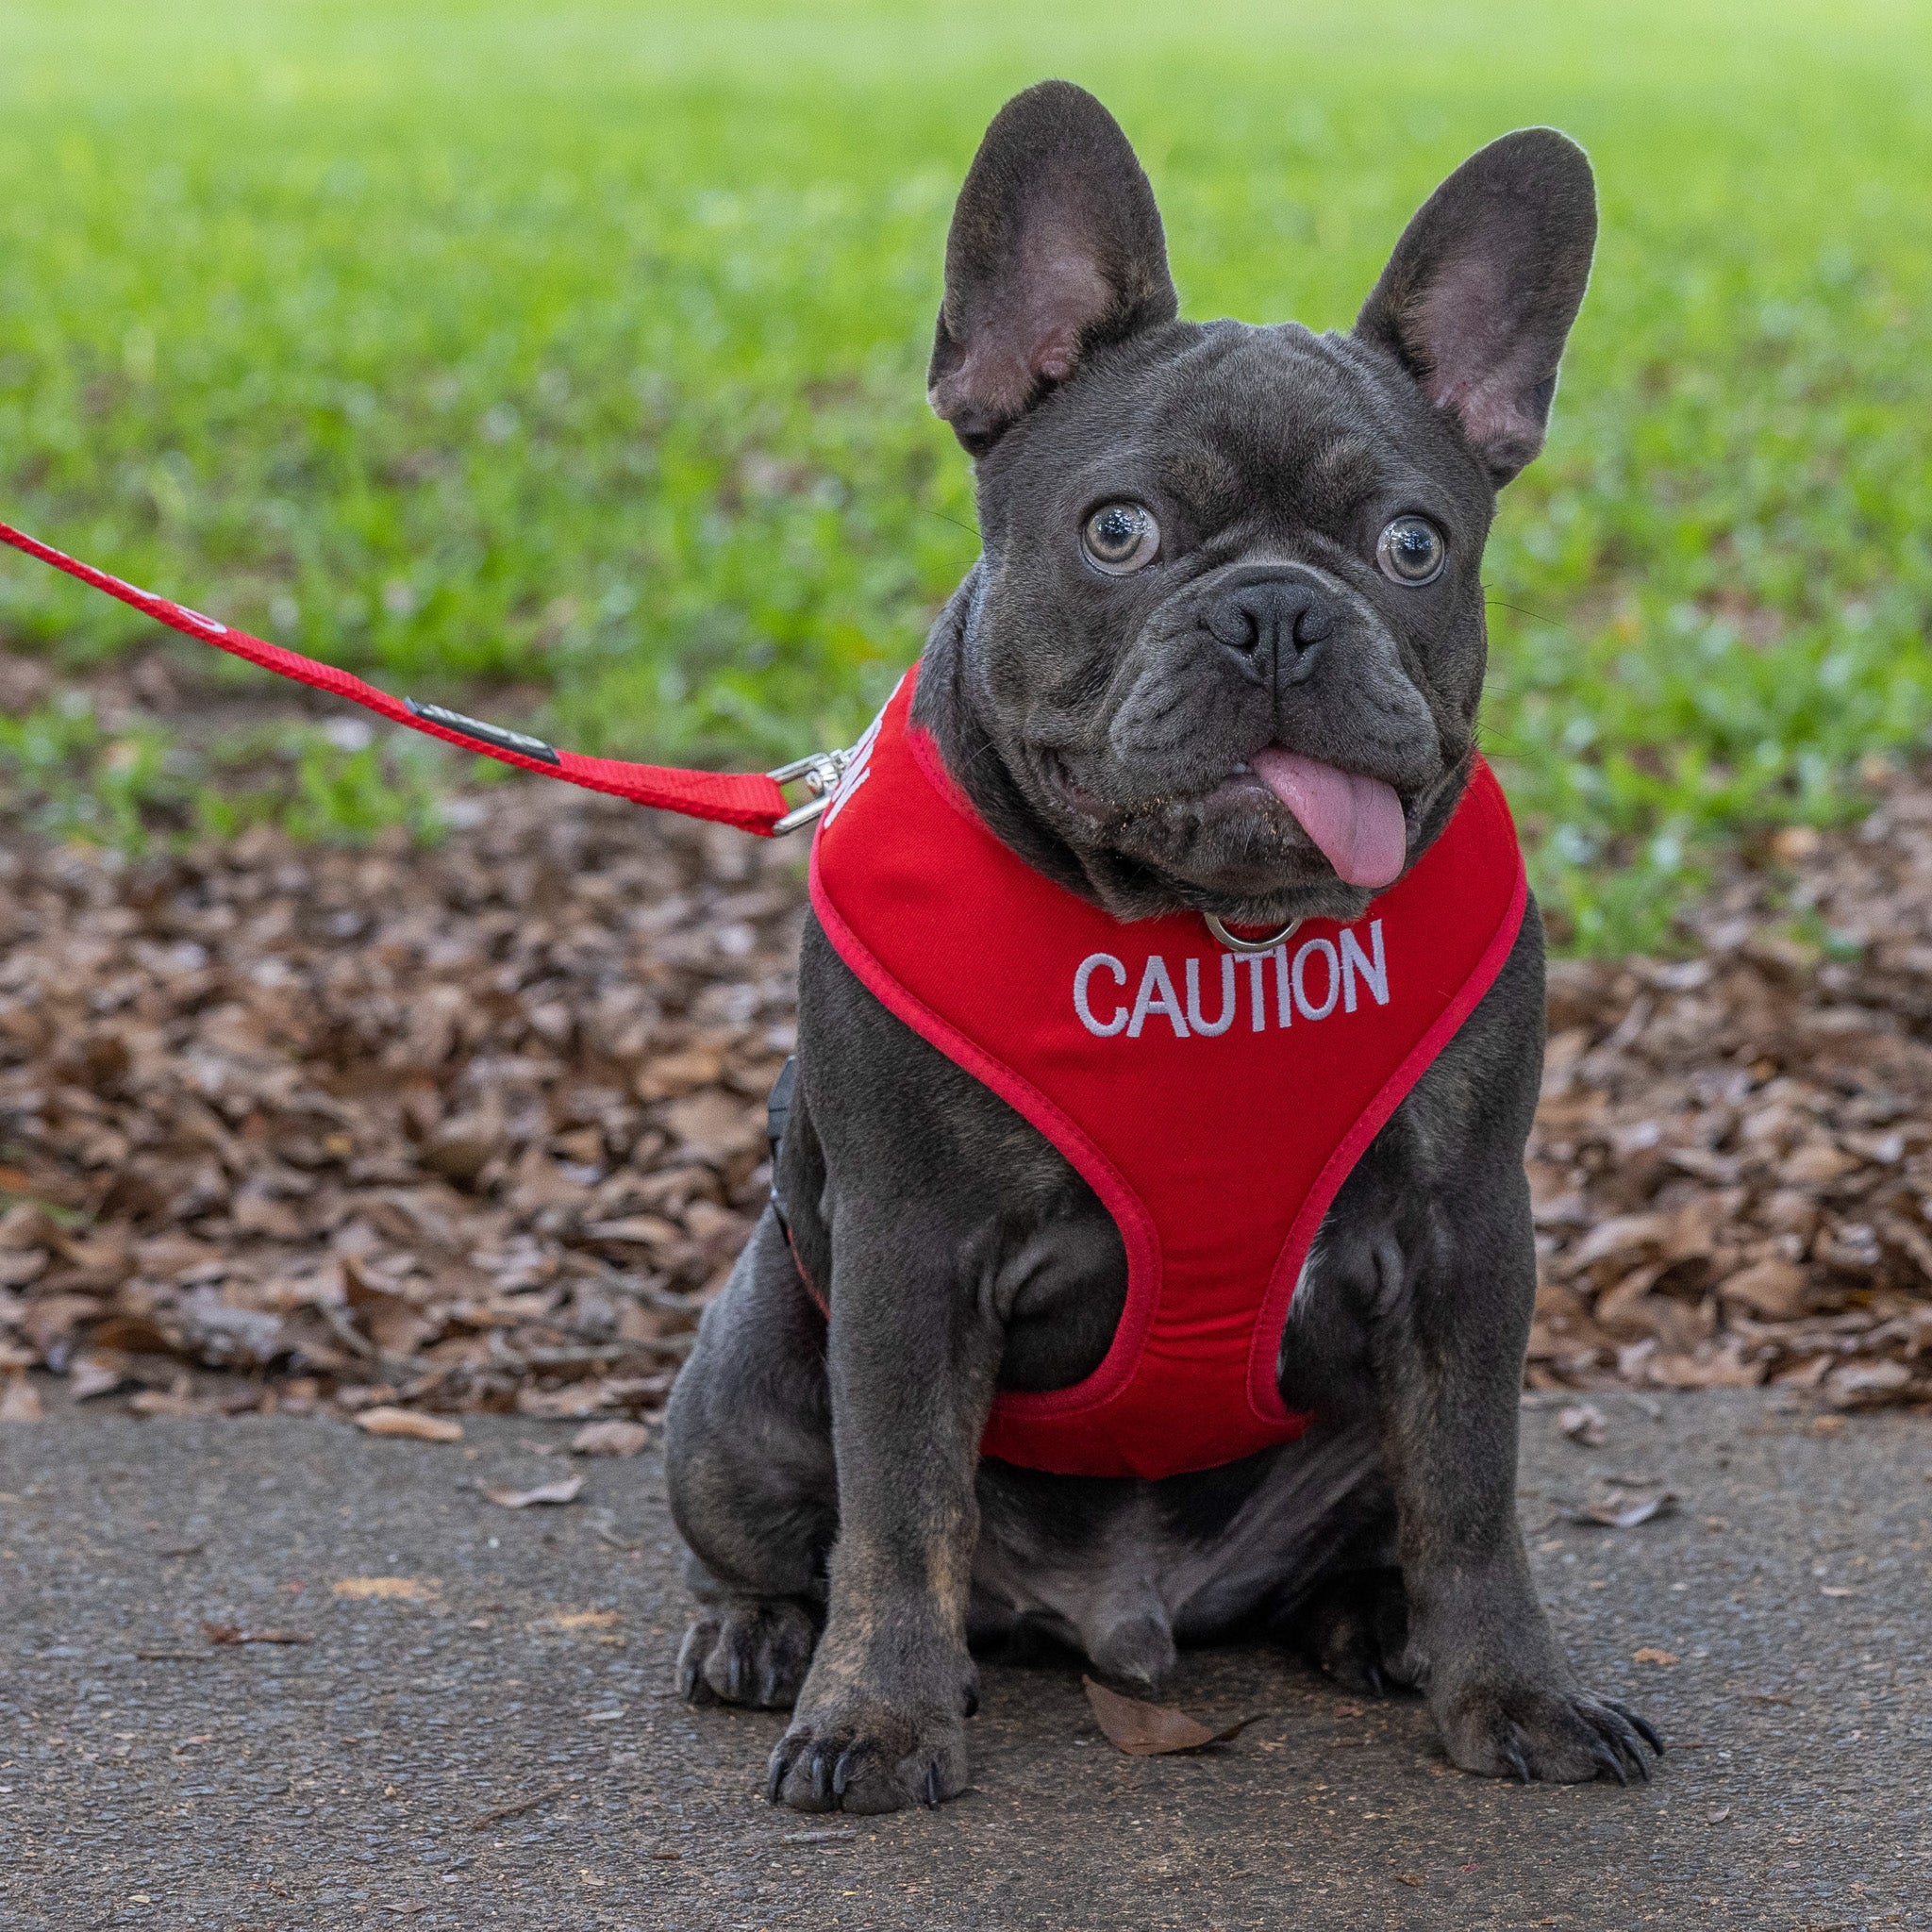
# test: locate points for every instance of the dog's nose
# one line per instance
(1275, 623)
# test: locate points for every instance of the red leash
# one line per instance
(750, 800)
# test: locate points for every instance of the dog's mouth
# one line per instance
(1355, 822)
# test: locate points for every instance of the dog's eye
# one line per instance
(1120, 537)
(1412, 551)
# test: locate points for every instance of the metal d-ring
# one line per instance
(1235, 943)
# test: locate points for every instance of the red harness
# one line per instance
(1215, 1101)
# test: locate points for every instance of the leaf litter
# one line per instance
(564, 1490)
(1624, 1505)
(401, 1590)
(609, 1439)
(479, 1128)
(1731, 1167)
(475, 1127)
(1584, 1422)
(404, 1421)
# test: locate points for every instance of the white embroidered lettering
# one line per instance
(1081, 1006)
(857, 770)
(1258, 1004)
(1227, 997)
(1157, 995)
(1348, 965)
(1326, 949)
(1375, 971)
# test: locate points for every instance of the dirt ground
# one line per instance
(480, 1127)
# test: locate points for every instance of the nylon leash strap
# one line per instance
(752, 800)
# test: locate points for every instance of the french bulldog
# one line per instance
(1187, 601)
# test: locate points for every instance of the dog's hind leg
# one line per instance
(753, 1490)
(1354, 1628)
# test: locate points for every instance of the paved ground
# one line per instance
(525, 1656)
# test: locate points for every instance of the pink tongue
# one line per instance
(1356, 821)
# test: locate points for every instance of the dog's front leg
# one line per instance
(880, 1722)
(1502, 1690)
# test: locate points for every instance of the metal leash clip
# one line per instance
(821, 771)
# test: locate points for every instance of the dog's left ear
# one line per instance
(1056, 248)
(1479, 295)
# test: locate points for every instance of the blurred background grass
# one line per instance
(581, 349)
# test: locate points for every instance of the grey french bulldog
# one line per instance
(850, 1547)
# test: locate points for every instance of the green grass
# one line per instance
(65, 774)
(581, 349)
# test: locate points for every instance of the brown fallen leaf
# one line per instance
(1774, 1290)
(400, 1590)
(165, 1403)
(506, 1498)
(20, 1401)
(406, 1422)
(1583, 1423)
(580, 1620)
(1619, 1507)
(1649, 1655)
(94, 1374)
(1152, 1730)
(233, 1633)
(609, 1439)
(131, 1335)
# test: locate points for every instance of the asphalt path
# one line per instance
(479, 1729)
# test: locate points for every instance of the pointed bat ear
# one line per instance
(1056, 248)
(1479, 295)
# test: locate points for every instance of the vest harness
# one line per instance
(1214, 1101)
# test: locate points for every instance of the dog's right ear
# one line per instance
(1056, 248)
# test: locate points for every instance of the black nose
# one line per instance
(1275, 623)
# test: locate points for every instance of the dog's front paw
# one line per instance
(859, 1753)
(1554, 1733)
(747, 1650)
